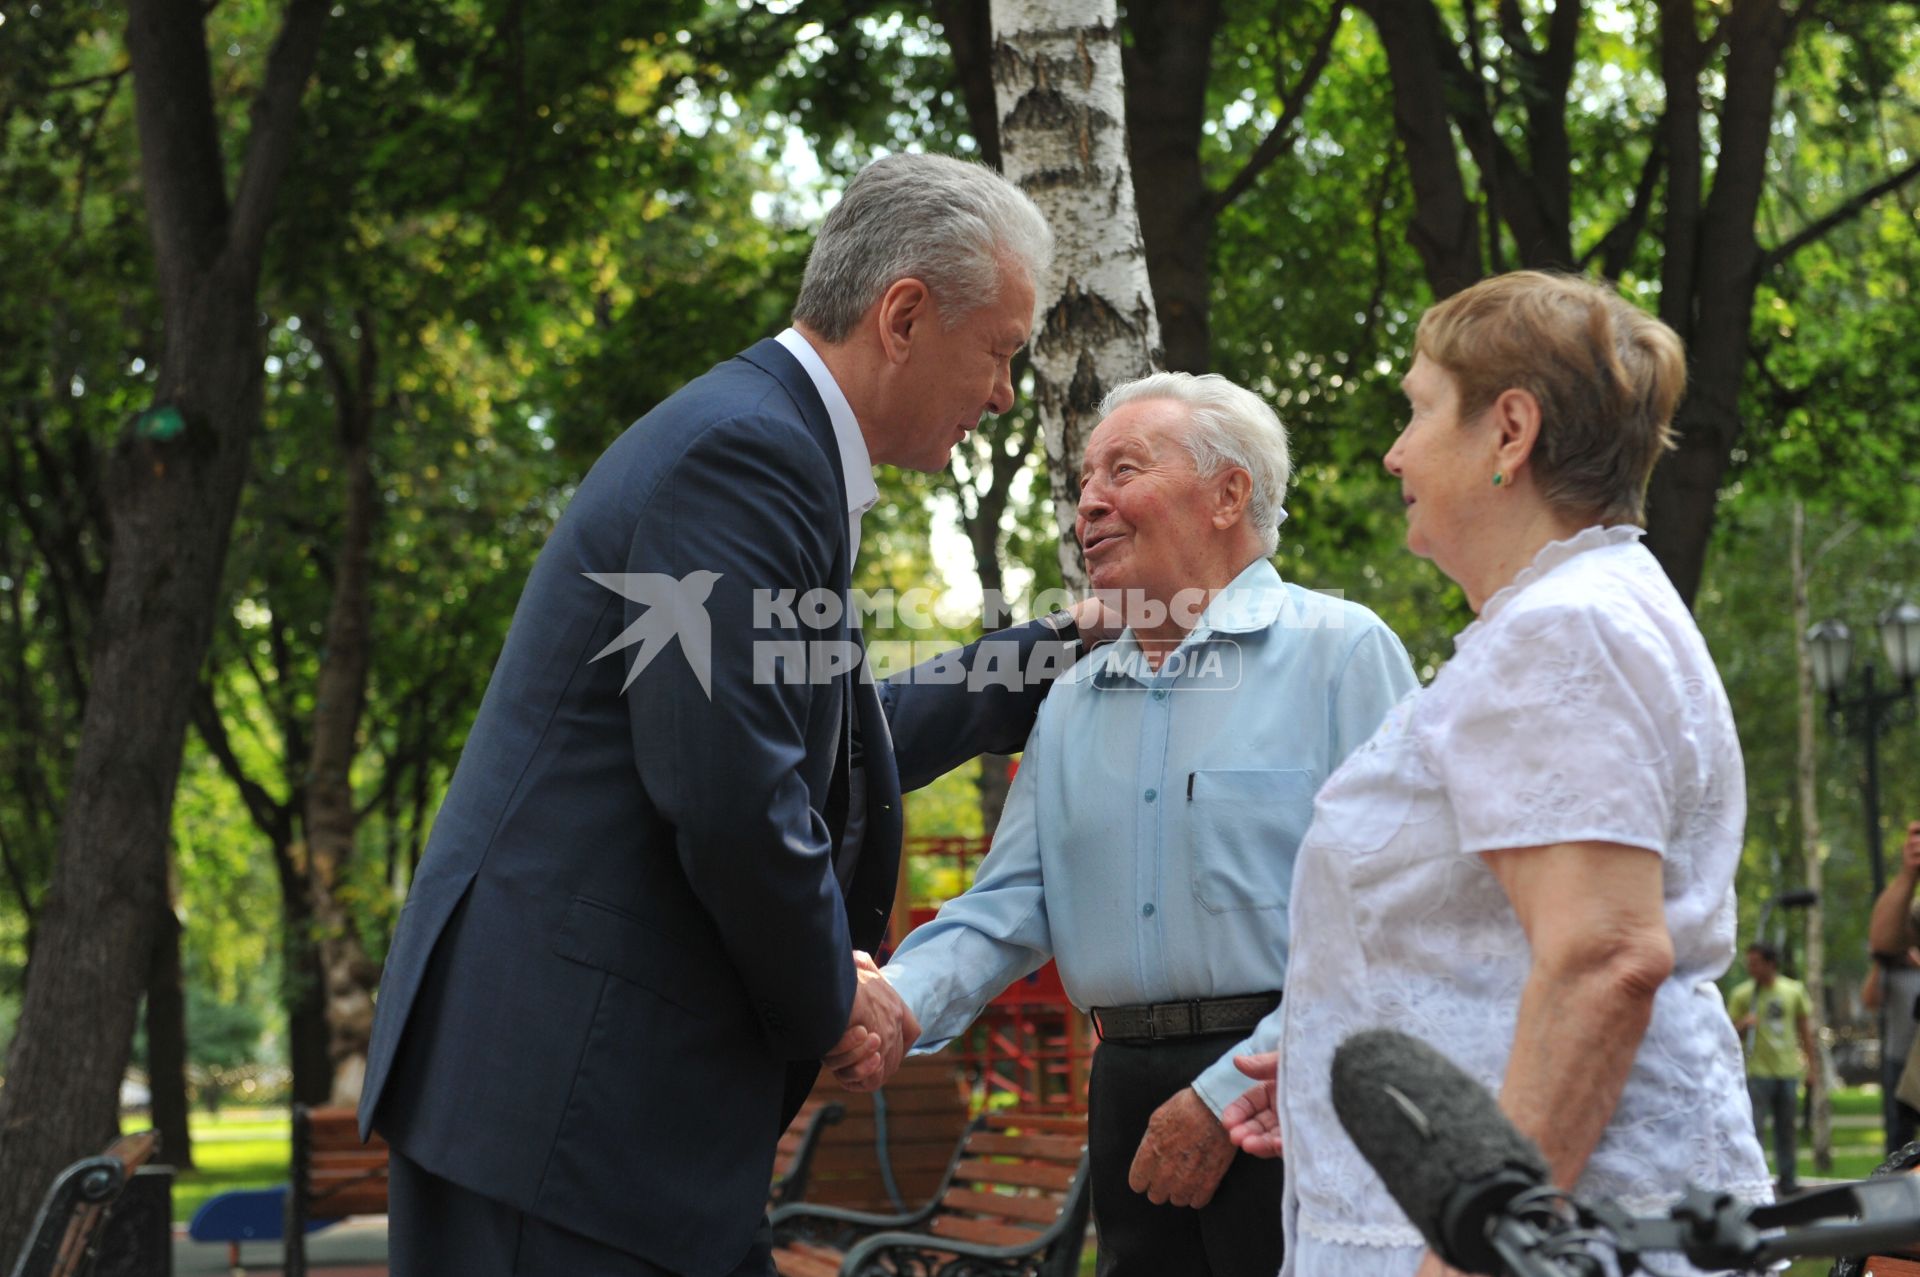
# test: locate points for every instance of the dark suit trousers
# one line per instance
(438, 1229)
(1237, 1234)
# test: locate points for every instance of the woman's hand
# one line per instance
(1253, 1120)
(1431, 1265)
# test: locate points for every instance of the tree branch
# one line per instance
(269, 816)
(87, 151)
(1847, 210)
(1291, 106)
(1616, 247)
(276, 110)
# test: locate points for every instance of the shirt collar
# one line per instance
(1550, 556)
(1251, 601)
(856, 463)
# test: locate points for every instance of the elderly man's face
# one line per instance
(1144, 512)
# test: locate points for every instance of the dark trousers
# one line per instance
(1237, 1234)
(1775, 1099)
(438, 1229)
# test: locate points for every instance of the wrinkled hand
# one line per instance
(1252, 1122)
(879, 1031)
(1183, 1154)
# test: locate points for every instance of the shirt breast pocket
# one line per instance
(1246, 827)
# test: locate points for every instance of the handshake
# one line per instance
(878, 1034)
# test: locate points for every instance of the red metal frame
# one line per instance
(1030, 1043)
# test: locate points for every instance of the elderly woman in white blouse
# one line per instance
(1530, 865)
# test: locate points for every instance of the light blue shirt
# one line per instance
(1148, 841)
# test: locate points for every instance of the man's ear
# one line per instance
(1232, 489)
(905, 303)
(1516, 418)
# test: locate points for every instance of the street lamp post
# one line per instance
(1866, 714)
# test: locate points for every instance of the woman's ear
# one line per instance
(1516, 421)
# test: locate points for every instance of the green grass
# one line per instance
(239, 1148)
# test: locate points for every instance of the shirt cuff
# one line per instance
(1220, 1084)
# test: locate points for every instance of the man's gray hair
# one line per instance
(952, 225)
(1230, 426)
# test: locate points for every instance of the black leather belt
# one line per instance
(1160, 1021)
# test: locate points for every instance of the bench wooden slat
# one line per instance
(1022, 1174)
(986, 1232)
(803, 1259)
(1038, 1210)
(1056, 1148)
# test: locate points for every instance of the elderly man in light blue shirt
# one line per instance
(1148, 841)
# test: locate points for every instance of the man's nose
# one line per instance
(1392, 460)
(1093, 501)
(1002, 399)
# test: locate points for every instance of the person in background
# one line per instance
(1775, 1022)
(1893, 937)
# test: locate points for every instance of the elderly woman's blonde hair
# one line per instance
(1606, 374)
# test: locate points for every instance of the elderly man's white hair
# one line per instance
(1230, 426)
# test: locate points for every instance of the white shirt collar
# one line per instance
(856, 464)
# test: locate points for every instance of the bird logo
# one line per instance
(675, 608)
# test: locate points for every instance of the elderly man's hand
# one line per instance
(879, 1031)
(1183, 1154)
(1252, 1122)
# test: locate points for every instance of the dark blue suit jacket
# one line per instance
(625, 949)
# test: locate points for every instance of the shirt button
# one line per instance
(1152, 794)
(1160, 694)
(1146, 911)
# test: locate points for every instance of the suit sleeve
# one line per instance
(750, 501)
(978, 699)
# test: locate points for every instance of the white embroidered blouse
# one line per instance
(1581, 705)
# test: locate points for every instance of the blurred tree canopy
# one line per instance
(501, 236)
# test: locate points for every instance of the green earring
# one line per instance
(1498, 478)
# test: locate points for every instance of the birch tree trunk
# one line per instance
(1809, 804)
(1063, 139)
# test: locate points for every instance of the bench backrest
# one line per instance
(68, 1227)
(1017, 1177)
(334, 1174)
(916, 1121)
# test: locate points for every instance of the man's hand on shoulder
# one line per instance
(1096, 622)
(1183, 1155)
(879, 1031)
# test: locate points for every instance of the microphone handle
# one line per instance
(1521, 1247)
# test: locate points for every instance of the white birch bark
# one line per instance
(1063, 140)
(1809, 804)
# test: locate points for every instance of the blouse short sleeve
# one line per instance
(1572, 732)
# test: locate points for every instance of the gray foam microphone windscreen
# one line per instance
(1436, 1138)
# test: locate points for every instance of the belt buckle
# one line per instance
(1171, 1014)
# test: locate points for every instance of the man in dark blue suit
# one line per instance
(640, 923)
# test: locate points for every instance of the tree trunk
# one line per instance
(1167, 63)
(1056, 71)
(1808, 800)
(348, 976)
(1445, 230)
(174, 485)
(167, 1043)
(304, 994)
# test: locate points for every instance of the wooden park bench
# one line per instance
(333, 1175)
(65, 1238)
(1014, 1200)
(889, 1152)
(793, 1163)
